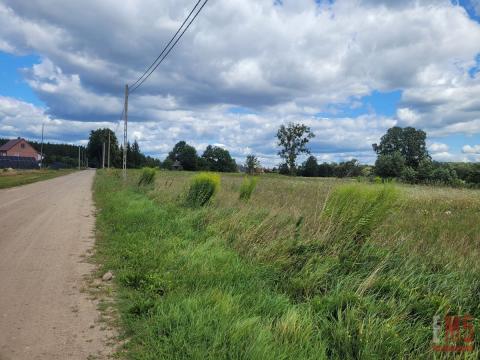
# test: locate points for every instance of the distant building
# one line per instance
(19, 148)
(257, 170)
(177, 165)
(19, 154)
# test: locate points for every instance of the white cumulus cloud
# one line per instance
(279, 62)
(469, 149)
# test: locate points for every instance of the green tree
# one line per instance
(390, 165)
(185, 154)
(251, 164)
(409, 142)
(218, 159)
(310, 167)
(202, 164)
(424, 170)
(167, 164)
(350, 168)
(283, 169)
(444, 175)
(474, 175)
(95, 148)
(326, 169)
(409, 175)
(135, 158)
(293, 140)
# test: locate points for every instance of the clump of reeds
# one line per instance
(202, 189)
(248, 186)
(147, 177)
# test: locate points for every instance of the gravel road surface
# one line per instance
(46, 231)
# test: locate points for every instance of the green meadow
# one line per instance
(286, 268)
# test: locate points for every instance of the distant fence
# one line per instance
(16, 162)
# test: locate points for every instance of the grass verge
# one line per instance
(259, 280)
(22, 177)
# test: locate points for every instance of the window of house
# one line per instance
(22, 146)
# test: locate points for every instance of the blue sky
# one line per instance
(13, 82)
(350, 70)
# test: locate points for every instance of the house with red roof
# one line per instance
(19, 148)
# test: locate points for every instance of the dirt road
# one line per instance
(46, 229)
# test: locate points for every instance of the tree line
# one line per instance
(214, 158)
(182, 156)
(401, 154)
(350, 168)
(135, 158)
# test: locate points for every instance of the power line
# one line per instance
(169, 50)
(166, 47)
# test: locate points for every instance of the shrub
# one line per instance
(202, 188)
(247, 187)
(283, 169)
(444, 175)
(366, 171)
(424, 170)
(409, 175)
(147, 176)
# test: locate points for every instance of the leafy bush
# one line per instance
(445, 175)
(424, 170)
(202, 188)
(390, 165)
(147, 177)
(409, 175)
(247, 187)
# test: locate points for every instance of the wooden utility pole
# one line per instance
(125, 134)
(108, 161)
(79, 161)
(103, 156)
(41, 149)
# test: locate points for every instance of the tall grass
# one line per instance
(202, 189)
(248, 186)
(307, 269)
(147, 176)
(353, 211)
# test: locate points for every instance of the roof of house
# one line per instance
(11, 143)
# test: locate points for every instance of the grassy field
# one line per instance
(305, 269)
(23, 177)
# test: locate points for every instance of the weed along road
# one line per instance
(46, 230)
